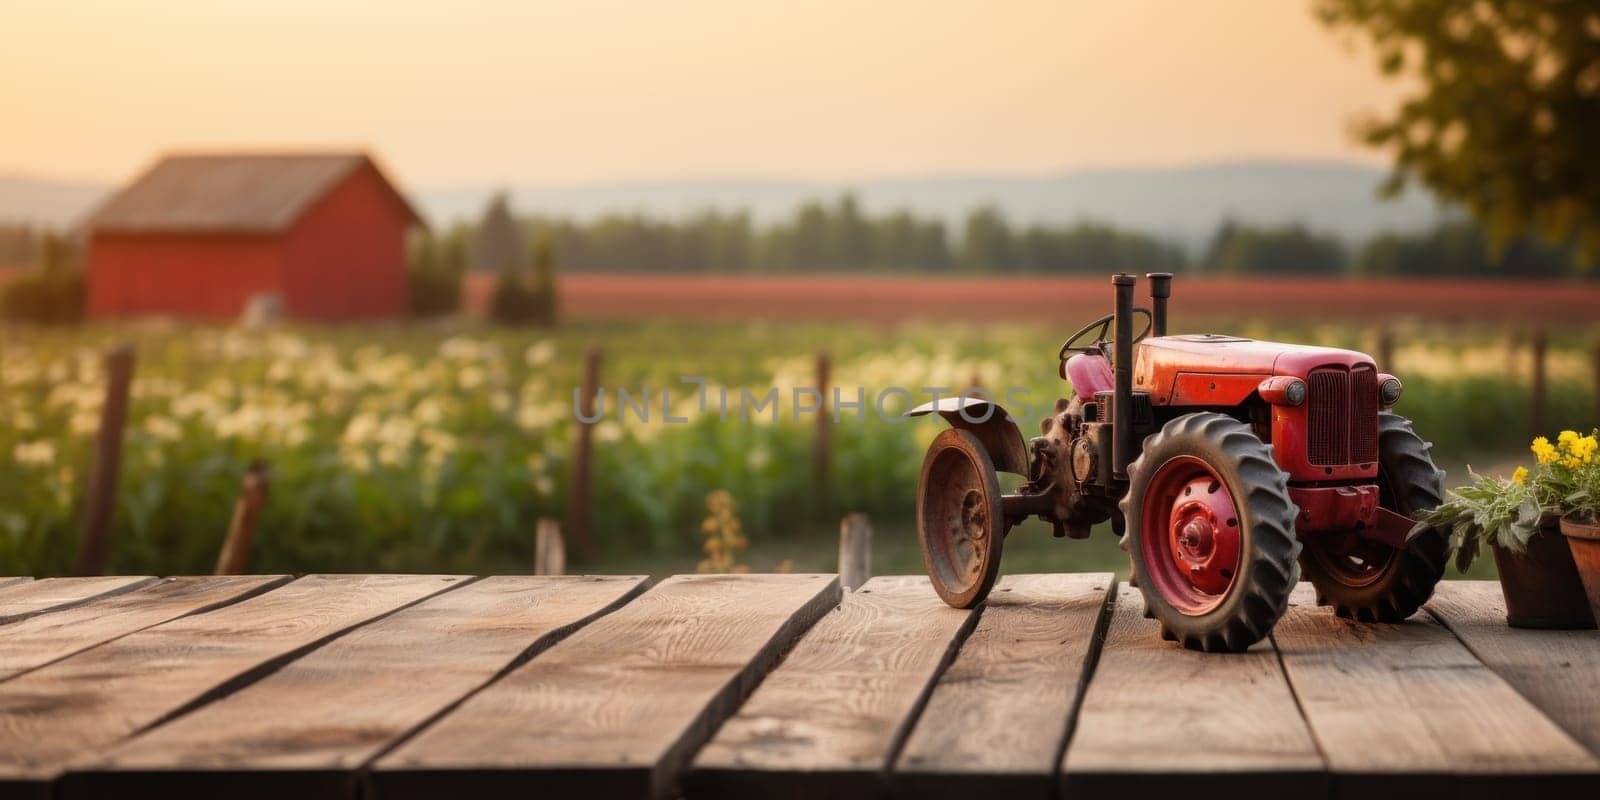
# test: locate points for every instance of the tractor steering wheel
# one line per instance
(1100, 328)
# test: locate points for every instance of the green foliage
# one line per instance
(1291, 249)
(434, 275)
(1457, 249)
(527, 296)
(1508, 110)
(544, 282)
(1567, 475)
(840, 236)
(1488, 511)
(497, 243)
(436, 448)
(52, 293)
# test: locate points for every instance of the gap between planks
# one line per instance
(829, 718)
(1405, 710)
(27, 599)
(1169, 720)
(1000, 717)
(47, 638)
(71, 710)
(1557, 671)
(620, 706)
(307, 729)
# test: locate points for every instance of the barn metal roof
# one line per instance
(229, 193)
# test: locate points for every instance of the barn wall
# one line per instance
(346, 258)
(188, 275)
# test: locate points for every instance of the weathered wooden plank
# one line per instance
(827, 721)
(1174, 721)
(1558, 671)
(55, 594)
(617, 708)
(304, 730)
(39, 640)
(1406, 711)
(996, 722)
(12, 581)
(70, 710)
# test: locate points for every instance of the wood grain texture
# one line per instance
(72, 709)
(39, 640)
(1170, 720)
(1406, 710)
(616, 709)
(828, 719)
(1557, 671)
(55, 594)
(12, 581)
(305, 730)
(999, 716)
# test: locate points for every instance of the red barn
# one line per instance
(199, 235)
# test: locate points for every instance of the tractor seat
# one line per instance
(1089, 374)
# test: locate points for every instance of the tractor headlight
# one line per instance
(1389, 390)
(1295, 392)
(1283, 390)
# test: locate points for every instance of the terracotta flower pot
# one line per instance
(1583, 538)
(1541, 585)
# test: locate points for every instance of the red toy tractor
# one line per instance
(1226, 465)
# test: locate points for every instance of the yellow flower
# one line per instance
(1566, 439)
(1543, 450)
(1520, 476)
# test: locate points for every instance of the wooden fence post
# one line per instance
(1597, 382)
(580, 482)
(549, 554)
(1386, 350)
(94, 545)
(1536, 413)
(855, 550)
(822, 448)
(235, 556)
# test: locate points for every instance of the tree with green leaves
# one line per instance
(544, 280)
(1507, 114)
(498, 245)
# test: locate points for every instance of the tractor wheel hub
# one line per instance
(1204, 531)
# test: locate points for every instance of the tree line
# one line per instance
(838, 236)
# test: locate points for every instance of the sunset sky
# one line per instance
(560, 92)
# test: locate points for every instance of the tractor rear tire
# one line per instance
(1215, 460)
(1408, 483)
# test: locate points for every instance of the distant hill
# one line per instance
(1183, 204)
(45, 202)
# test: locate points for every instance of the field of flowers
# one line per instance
(437, 447)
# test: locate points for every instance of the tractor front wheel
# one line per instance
(960, 523)
(1210, 532)
(1370, 581)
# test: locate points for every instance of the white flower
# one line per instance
(163, 427)
(608, 432)
(540, 353)
(757, 458)
(471, 377)
(84, 423)
(41, 453)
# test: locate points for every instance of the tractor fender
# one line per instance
(988, 421)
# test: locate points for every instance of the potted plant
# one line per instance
(1514, 517)
(1570, 474)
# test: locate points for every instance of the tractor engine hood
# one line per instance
(1217, 370)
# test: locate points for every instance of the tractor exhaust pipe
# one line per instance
(1160, 290)
(1122, 402)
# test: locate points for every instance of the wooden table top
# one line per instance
(764, 686)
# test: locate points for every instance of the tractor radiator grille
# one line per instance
(1342, 416)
